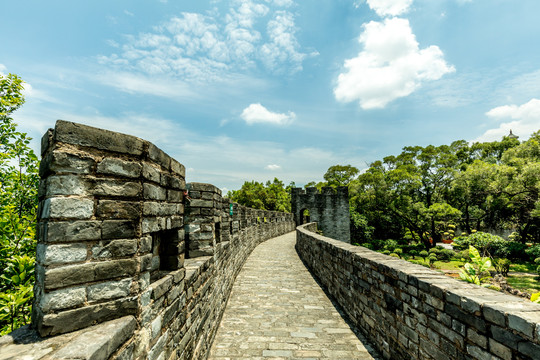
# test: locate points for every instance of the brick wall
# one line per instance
(411, 312)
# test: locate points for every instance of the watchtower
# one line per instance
(329, 208)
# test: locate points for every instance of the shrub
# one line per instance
(391, 245)
(533, 251)
(386, 252)
(502, 266)
(394, 255)
(424, 254)
(491, 245)
(398, 252)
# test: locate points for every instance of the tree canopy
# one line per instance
(270, 196)
(19, 181)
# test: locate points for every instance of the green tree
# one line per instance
(19, 181)
(270, 196)
(340, 175)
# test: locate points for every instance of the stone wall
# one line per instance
(328, 208)
(112, 231)
(411, 312)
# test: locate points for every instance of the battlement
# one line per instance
(328, 207)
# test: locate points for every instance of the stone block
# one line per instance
(63, 299)
(66, 185)
(61, 254)
(114, 249)
(111, 209)
(63, 162)
(88, 272)
(159, 156)
(201, 203)
(160, 287)
(104, 187)
(118, 229)
(154, 192)
(72, 231)
(68, 208)
(71, 320)
(151, 173)
(100, 342)
(109, 290)
(156, 327)
(146, 244)
(115, 166)
(150, 225)
(175, 196)
(77, 134)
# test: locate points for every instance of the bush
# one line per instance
(491, 245)
(391, 245)
(424, 254)
(502, 266)
(398, 252)
(533, 252)
(394, 255)
(386, 252)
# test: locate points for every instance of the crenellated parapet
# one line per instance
(131, 262)
(329, 208)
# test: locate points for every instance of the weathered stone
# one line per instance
(99, 342)
(178, 168)
(104, 187)
(160, 287)
(62, 162)
(73, 231)
(151, 173)
(66, 185)
(158, 156)
(175, 196)
(201, 203)
(115, 166)
(111, 209)
(61, 254)
(83, 135)
(118, 229)
(154, 192)
(150, 225)
(146, 244)
(68, 208)
(88, 272)
(71, 320)
(63, 299)
(156, 327)
(109, 290)
(114, 248)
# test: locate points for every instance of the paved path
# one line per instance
(278, 311)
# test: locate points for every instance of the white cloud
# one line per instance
(390, 66)
(272, 167)
(199, 48)
(523, 120)
(282, 47)
(258, 114)
(2, 69)
(390, 7)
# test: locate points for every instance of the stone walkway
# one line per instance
(278, 311)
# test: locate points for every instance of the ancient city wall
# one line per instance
(132, 262)
(411, 312)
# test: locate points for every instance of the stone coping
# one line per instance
(502, 319)
(93, 343)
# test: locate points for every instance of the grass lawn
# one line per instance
(524, 267)
(529, 284)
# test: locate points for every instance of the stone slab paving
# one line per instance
(278, 311)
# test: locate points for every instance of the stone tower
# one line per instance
(330, 209)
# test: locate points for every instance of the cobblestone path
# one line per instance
(278, 311)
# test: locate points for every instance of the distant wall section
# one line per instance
(328, 208)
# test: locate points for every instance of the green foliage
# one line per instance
(270, 196)
(491, 245)
(472, 271)
(340, 175)
(431, 193)
(424, 254)
(19, 181)
(502, 266)
(533, 252)
(535, 297)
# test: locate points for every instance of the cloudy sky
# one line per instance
(255, 89)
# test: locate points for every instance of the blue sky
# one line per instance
(255, 89)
